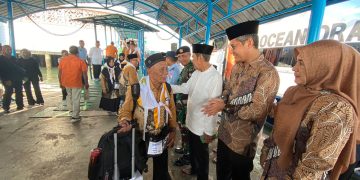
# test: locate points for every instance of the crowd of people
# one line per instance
(114, 72)
(315, 131)
(17, 73)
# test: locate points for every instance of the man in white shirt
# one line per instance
(204, 84)
(96, 58)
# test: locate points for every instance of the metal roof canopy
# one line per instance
(190, 18)
(118, 21)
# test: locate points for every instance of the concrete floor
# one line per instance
(40, 143)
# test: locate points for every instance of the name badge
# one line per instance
(155, 148)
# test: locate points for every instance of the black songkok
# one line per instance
(241, 29)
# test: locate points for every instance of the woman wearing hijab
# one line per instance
(110, 86)
(315, 128)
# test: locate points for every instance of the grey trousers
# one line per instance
(73, 101)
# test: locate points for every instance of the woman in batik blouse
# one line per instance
(315, 128)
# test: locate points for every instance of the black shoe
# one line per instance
(182, 161)
(179, 150)
(40, 103)
(20, 108)
(7, 111)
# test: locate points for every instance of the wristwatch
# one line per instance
(224, 98)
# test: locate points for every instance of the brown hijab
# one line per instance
(329, 65)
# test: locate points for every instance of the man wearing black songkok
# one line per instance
(246, 100)
(155, 114)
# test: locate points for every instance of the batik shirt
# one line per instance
(250, 93)
(322, 135)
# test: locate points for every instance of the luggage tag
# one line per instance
(155, 148)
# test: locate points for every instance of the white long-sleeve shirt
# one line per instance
(201, 87)
(96, 55)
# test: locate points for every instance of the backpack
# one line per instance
(102, 167)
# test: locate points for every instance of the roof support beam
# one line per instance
(141, 39)
(95, 32)
(265, 19)
(180, 36)
(168, 24)
(159, 10)
(118, 4)
(187, 11)
(100, 4)
(198, 11)
(222, 12)
(228, 16)
(239, 10)
(192, 1)
(145, 12)
(105, 35)
(208, 23)
(3, 18)
(280, 14)
(113, 10)
(133, 8)
(229, 6)
(150, 6)
(27, 4)
(11, 27)
(316, 18)
(75, 5)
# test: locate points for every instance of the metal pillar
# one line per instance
(180, 36)
(208, 23)
(11, 27)
(141, 40)
(316, 18)
(95, 32)
(105, 37)
(111, 34)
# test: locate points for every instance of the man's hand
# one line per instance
(61, 86)
(208, 139)
(41, 79)
(171, 140)
(87, 86)
(125, 127)
(213, 107)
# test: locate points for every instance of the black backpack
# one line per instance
(102, 168)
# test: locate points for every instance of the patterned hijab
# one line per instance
(329, 65)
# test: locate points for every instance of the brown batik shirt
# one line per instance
(323, 133)
(249, 95)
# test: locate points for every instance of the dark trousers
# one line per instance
(199, 157)
(96, 71)
(17, 85)
(160, 167)
(231, 165)
(350, 171)
(30, 99)
(64, 94)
